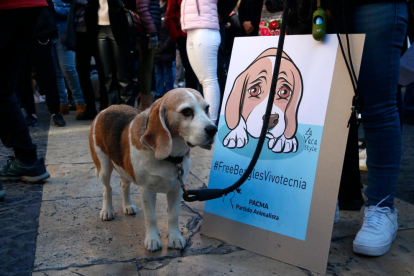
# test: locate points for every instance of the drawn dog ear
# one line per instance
(157, 137)
(293, 105)
(235, 101)
(271, 52)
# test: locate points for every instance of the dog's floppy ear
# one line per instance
(235, 101)
(293, 105)
(157, 137)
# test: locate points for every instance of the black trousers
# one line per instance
(117, 66)
(84, 51)
(191, 80)
(15, 36)
(41, 59)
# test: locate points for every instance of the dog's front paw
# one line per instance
(130, 209)
(176, 241)
(107, 214)
(236, 138)
(153, 243)
(283, 144)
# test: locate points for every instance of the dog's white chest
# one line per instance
(158, 176)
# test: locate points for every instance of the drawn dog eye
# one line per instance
(187, 112)
(284, 92)
(255, 90)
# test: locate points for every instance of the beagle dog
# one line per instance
(248, 99)
(144, 148)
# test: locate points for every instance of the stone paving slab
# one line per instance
(71, 232)
(80, 181)
(113, 269)
(19, 211)
(235, 263)
(72, 239)
(397, 262)
(69, 145)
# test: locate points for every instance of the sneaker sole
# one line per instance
(30, 179)
(373, 250)
(2, 194)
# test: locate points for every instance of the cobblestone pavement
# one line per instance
(19, 212)
(71, 240)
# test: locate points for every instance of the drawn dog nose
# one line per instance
(211, 130)
(274, 119)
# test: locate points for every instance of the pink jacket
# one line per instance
(199, 14)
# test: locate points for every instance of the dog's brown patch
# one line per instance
(126, 152)
(92, 148)
(138, 128)
(157, 136)
(112, 137)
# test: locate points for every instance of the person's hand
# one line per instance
(153, 41)
(228, 25)
(248, 27)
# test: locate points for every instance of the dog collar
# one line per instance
(175, 160)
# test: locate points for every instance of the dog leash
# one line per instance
(208, 194)
(180, 173)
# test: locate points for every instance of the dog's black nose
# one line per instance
(211, 130)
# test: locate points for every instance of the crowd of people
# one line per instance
(51, 43)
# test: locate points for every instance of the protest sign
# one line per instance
(285, 209)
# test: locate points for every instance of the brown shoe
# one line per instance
(64, 109)
(146, 101)
(80, 109)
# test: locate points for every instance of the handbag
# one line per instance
(135, 29)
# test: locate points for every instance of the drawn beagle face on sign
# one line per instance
(246, 104)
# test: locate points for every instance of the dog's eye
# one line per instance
(207, 108)
(187, 112)
(284, 92)
(255, 90)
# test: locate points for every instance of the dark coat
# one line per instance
(250, 10)
(46, 23)
(166, 47)
(150, 15)
(119, 23)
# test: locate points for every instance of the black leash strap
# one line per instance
(208, 194)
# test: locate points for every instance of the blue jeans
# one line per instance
(64, 61)
(385, 27)
(164, 77)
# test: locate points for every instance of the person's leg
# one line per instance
(83, 67)
(23, 89)
(146, 60)
(202, 47)
(159, 78)
(14, 44)
(59, 77)
(123, 61)
(105, 54)
(168, 76)
(42, 61)
(178, 67)
(377, 84)
(221, 61)
(191, 80)
(67, 65)
(381, 61)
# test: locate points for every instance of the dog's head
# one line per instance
(251, 89)
(179, 119)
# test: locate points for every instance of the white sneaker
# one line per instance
(378, 231)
